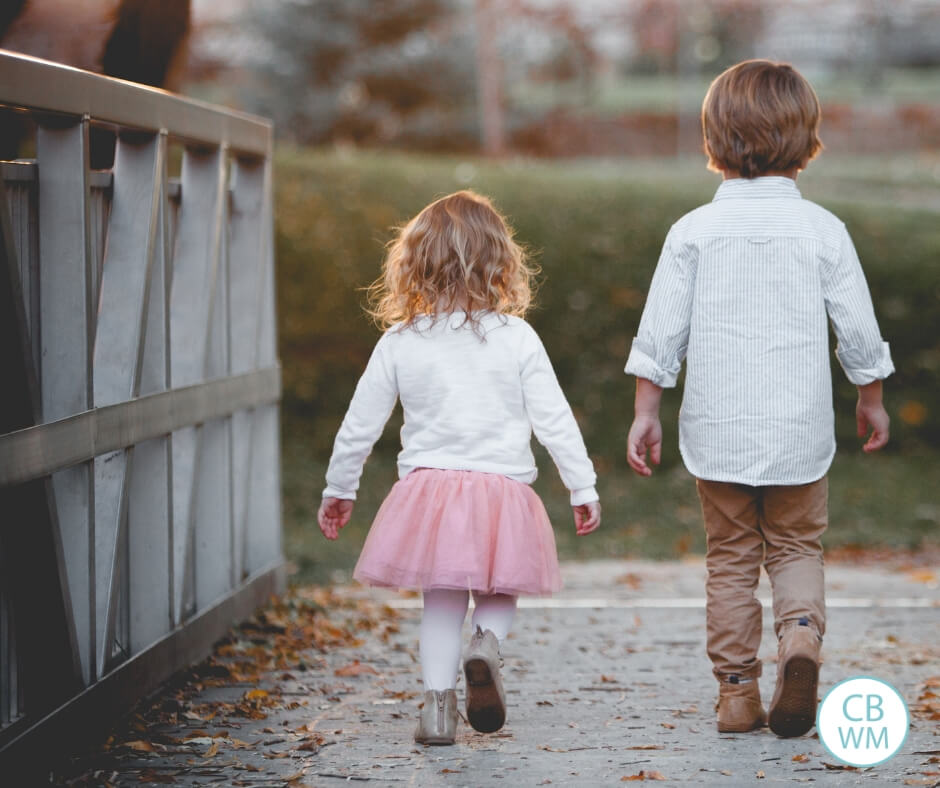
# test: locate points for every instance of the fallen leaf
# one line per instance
(150, 776)
(255, 694)
(801, 758)
(211, 752)
(727, 772)
(840, 767)
(608, 679)
(445, 770)
(312, 744)
(668, 725)
(760, 774)
(631, 579)
(647, 747)
(355, 668)
(643, 775)
(139, 746)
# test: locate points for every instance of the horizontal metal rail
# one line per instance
(38, 451)
(38, 84)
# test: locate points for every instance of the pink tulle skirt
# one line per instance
(462, 530)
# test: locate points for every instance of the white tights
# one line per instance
(441, 624)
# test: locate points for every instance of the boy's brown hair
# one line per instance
(760, 117)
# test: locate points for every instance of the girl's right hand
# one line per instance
(334, 513)
(587, 517)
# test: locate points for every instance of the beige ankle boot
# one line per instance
(486, 701)
(438, 721)
(739, 707)
(793, 708)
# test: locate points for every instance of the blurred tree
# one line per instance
(397, 71)
(138, 40)
(712, 33)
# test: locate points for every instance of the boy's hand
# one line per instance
(874, 416)
(334, 513)
(870, 412)
(587, 517)
(645, 433)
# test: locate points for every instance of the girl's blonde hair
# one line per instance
(457, 254)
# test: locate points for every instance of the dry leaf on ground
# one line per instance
(355, 668)
(139, 746)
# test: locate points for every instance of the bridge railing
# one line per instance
(139, 456)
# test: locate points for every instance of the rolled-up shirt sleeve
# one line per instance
(663, 336)
(372, 404)
(864, 355)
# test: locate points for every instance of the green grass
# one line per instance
(596, 229)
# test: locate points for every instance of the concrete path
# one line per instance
(607, 683)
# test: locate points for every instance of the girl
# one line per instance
(474, 382)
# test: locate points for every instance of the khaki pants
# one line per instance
(779, 527)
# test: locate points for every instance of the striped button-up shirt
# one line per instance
(742, 292)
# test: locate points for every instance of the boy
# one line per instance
(743, 289)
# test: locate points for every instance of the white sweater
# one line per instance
(469, 404)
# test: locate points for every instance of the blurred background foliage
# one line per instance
(565, 77)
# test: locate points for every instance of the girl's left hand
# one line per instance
(334, 513)
(587, 517)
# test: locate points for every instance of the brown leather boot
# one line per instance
(739, 707)
(793, 708)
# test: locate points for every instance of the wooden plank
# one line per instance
(41, 662)
(149, 519)
(247, 265)
(119, 352)
(264, 512)
(212, 496)
(41, 84)
(65, 282)
(195, 270)
(37, 451)
(263, 541)
(21, 201)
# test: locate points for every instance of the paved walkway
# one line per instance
(607, 683)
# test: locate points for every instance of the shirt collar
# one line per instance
(756, 188)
